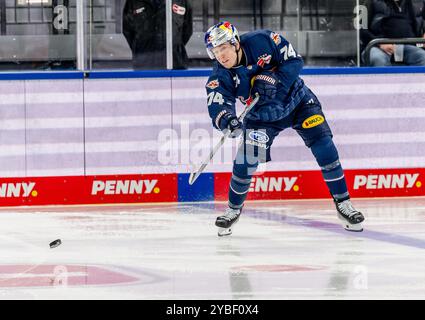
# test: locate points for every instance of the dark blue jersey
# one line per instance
(274, 53)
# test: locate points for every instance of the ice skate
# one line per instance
(226, 222)
(350, 217)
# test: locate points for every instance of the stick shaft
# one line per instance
(197, 173)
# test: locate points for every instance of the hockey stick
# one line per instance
(195, 174)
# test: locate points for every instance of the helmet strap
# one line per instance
(239, 56)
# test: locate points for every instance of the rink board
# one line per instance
(88, 190)
(132, 139)
(156, 188)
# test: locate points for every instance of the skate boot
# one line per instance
(226, 222)
(350, 217)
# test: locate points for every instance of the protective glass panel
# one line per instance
(322, 31)
(37, 35)
(127, 34)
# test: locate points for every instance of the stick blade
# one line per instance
(192, 178)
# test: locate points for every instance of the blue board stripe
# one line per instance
(196, 73)
(201, 190)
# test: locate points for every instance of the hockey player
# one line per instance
(263, 62)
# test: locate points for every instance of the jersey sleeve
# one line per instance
(220, 97)
(287, 61)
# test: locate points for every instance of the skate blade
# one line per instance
(358, 227)
(224, 232)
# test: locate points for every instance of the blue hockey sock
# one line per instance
(238, 191)
(327, 157)
(243, 169)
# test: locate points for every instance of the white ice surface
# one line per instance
(279, 250)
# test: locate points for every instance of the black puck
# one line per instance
(55, 243)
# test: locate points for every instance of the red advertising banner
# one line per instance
(310, 184)
(386, 182)
(277, 185)
(88, 189)
(151, 188)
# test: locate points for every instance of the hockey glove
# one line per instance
(266, 85)
(231, 122)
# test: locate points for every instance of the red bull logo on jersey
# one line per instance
(313, 121)
(275, 37)
(111, 187)
(387, 181)
(213, 84)
(17, 190)
(264, 59)
(273, 184)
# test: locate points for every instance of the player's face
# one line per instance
(226, 55)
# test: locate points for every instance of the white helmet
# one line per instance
(218, 34)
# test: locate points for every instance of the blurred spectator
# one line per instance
(144, 28)
(394, 19)
(419, 7)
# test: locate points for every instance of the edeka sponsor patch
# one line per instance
(313, 121)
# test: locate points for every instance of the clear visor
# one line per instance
(219, 37)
